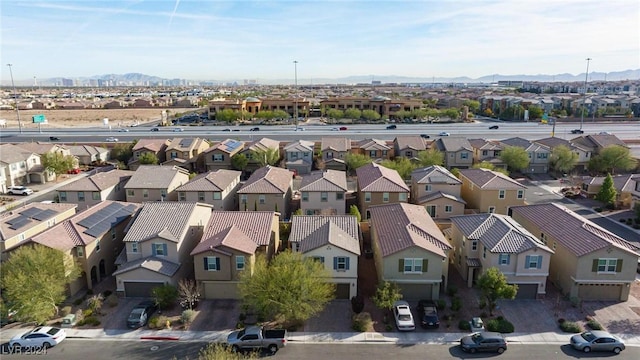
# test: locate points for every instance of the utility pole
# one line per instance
(295, 100)
(584, 97)
(15, 98)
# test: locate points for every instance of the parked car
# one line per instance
(424, 136)
(112, 139)
(403, 316)
(392, 127)
(155, 129)
(484, 341)
(19, 190)
(597, 340)
(343, 128)
(255, 129)
(428, 314)
(255, 338)
(42, 337)
(141, 314)
(493, 127)
(443, 133)
(54, 138)
(577, 131)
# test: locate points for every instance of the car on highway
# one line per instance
(19, 190)
(443, 133)
(42, 337)
(299, 129)
(597, 340)
(111, 139)
(123, 130)
(54, 138)
(335, 129)
(343, 128)
(227, 129)
(428, 314)
(255, 129)
(424, 136)
(155, 129)
(604, 133)
(403, 316)
(484, 341)
(392, 127)
(178, 130)
(493, 127)
(577, 131)
(141, 314)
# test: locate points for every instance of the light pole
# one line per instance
(15, 98)
(584, 97)
(295, 100)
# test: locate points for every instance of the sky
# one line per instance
(260, 40)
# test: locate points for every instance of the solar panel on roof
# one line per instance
(45, 214)
(19, 222)
(31, 211)
(107, 221)
(99, 229)
(186, 142)
(93, 219)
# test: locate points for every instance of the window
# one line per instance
(62, 196)
(431, 209)
(427, 187)
(79, 251)
(485, 152)
(484, 252)
(474, 245)
(385, 197)
(329, 155)
(324, 196)
(98, 245)
(211, 263)
(542, 155)
(217, 195)
(492, 209)
(159, 249)
(243, 198)
(95, 195)
(501, 194)
(409, 154)
(134, 247)
(200, 195)
(413, 265)
(174, 154)
(163, 193)
(261, 199)
(533, 262)
(497, 153)
(113, 233)
(402, 196)
(504, 259)
(145, 193)
(217, 157)
(182, 196)
(608, 265)
(339, 196)
(543, 237)
(293, 155)
(130, 192)
(305, 154)
(520, 194)
(464, 155)
(384, 153)
(448, 208)
(21, 237)
(239, 262)
(80, 195)
(305, 196)
(319, 259)
(372, 154)
(341, 263)
(367, 197)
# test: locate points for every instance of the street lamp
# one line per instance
(295, 100)
(584, 97)
(15, 98)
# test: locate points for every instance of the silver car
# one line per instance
(597, 340)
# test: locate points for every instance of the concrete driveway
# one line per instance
(216, 315)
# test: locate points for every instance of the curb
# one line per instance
(173, 338)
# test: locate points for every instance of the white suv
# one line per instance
(19, 190)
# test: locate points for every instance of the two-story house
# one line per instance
(379, 185)
(624, 185)
(438, 190)
(298, 156)
(589, 262)
(333, 240)
(268, 189)
(42, 148)
(334, 150)
(258, 147)
(538, 154)
(487, 151)
(583, 153)
(229, 246)
(157, 147)
(217, 188)
(483, 241)
(185, 152)
(93, 189)
(88, 154)
(219, 155)
(457, 151)
(490, 191)
(323, 192)
(409, 250)
(595, 143)
(377, 150)
(21, 166)
(92, 239)
(155, 183)
(158, 245)
(408, 146)
(635, 192)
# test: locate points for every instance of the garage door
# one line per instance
(604, 292)
(415, 291)
(221, 290)
(527, 291)
(139, 289)
(342, 291)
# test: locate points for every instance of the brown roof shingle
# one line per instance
(268, 180)
(314, 231)
(487, 179)
(256, 225)
(376, 178)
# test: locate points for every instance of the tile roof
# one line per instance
(400, 226)
(212, 181)
(10, 154)
(487, 179)
(229, 146)
(498, 233)
(622, 183)
(410, 142)
(256, 225)
(376, 178)
(87, 150)
(268, 180)
(41, 147)
(434, 174)
(231, 237)
(482, 144)
(9, 218)
(517, 141)
(151, 263)
(98, 181)
(165, 219)
(314, 231)
(155, 145)
(324, 180)
(339, 144)
(263, 144)
(373, 144)
(438, 195)
(578, 234)
(154, 177)
(454, 144)
(606, 140)
(300, 146)
(184, 144)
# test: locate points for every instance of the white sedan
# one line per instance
(403, 316)
(41, 337)
(112, 139)
(444, 133)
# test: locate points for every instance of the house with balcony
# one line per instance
(258, 147)
(409, 250)
(155, 183)
(323, 192)
(589, 262)
(490, 191)
(377, 150)
(538, 154)
(219, 155)
(158, 244)
(334, 151)
(268, 189)
(93, 189)
(483, 241)
(334, 241)
(408, 146)
(298, 156)
(229, 246)
(217, 188)
(157, 147)
(379, 185)
(185, 152)
(438, 190)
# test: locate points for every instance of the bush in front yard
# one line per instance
(571, 327)
(65, 311)
(187, 317)
(456, 304)
(112, 300)
(158, 322)
(357, 304)
(594, 324)
(441, 304)
(362, 322)
(499, 325)
(464, 325)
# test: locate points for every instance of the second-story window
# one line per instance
(385, 197)
(145, 193)
(501, 194)
(182, 196)
(367, 197)
(324, 196)
(520, 194)
(80, 195)
(200, 195)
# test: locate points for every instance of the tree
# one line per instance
(535, 112)
(489, 166)
(353, 210)
(473, 105)
(164, 295)
(607, 193)
(290, 287)
(455, 172)
(268, 156)
(515, 157)
(148, 158)
(493, 285)
(451, 113)
(353, 113)
(563, 159)
(122, 152)
(239, 161)
(370, 115)
(354, 161)
(386, 295)
(430, 157)
(402, 165)
(218, 351)
(34, 281)
(57, 163)
(227, 115)
(335, 114)
(188, 293)
(611, 158)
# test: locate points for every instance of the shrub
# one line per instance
(106, 293)
(441, 304)
(65, 310)
(361, 322)
(95, 303)
(456, 304)
(158, 322)
(561, 321)
(165, 295)
(570, 327)
(86, 313)
(464, 325)
(112, 300)
(91, 320)
(594, 325)
(187, 316)
(357, 304)
(452, 291)
(499, 325)
(77, 302)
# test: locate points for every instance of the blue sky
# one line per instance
(231, 40)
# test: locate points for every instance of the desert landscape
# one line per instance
(89, 117)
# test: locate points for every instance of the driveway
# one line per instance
(213, 315)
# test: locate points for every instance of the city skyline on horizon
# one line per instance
(225, 41)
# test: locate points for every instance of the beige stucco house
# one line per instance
(538, 154)
(93, 189)
(379, 185)
(323, 192)
(487, 151)
(438, 190)
(256, 148)
(156, 147)
(298, 156)
(490, 191)
(219, 155)
(155, 183)
(185, 152)
(334, 150)
(377, 150)
(624, 185)
(218, 188)
(268, 189)
(21, 166)
(89, 154)
(408, 146)
(457, 151)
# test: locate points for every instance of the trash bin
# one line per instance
(68, 321)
